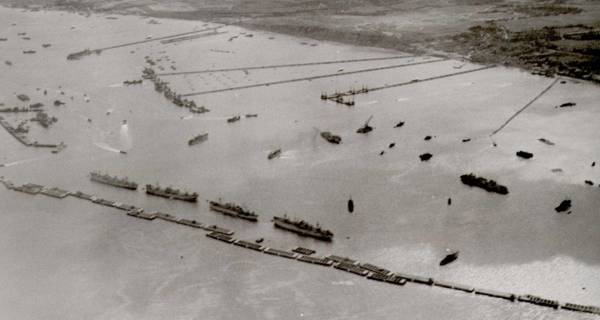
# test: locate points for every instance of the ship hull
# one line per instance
(307, 233)
(171, 196)
(232, 213)
(114, 184)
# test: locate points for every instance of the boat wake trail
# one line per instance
(14, 163)
(105, 146)
(125, 137)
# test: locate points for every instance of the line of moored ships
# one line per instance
(298, 226)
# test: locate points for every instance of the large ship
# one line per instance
(197, 139)
(171, 193)
(302, 227)
(113, 181)
(233, 210)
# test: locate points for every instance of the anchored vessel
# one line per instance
(303, 228)
(233, 210)
(274, 154)
(113, 181)
(171, 193)
(331, 138)
(197, 139)
(233, 119)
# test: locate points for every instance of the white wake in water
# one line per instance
(105, 146)
(14, 163)
(125, 137)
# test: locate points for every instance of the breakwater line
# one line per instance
(366, 270)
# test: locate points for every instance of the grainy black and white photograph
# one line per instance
(299, 159)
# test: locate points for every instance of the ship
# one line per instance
(366, 128)
(197, 139)
(483, 183)
(113, 181)
(449, 258)
(274, 154)
(233, 119)
(331, 138)
(233, 210)
(171, 193)
(303, 228)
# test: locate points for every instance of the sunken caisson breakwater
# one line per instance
(483, 183)
(365, 270)
(163, 87)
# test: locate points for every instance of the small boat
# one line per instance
(274, 154)
(233, 119)
(366, 128)
(350, 205)
(331, 138)
(449, 258)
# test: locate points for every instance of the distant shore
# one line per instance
(546, 39)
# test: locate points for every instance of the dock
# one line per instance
(280, 253)
(352, 268)
(366, 270)
(314, 260)
(249, 245)
(54, 192)
(221, 237)
(304, 251)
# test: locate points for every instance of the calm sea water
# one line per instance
(69, 259)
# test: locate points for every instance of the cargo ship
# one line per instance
(171, 193)
(331, 138)
(197, 139)
(233, 210)
(113, 181)
(303, 228)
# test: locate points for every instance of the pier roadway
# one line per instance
(275, 66)
(323, 76)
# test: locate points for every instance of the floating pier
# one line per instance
(29, 188)
(54, 192)
(249, 245)
(304, 251)
(368, 270)
(315, 260)
(352, 268)
(375, 269)
(280, 253)
(221, 237)
(496, 294)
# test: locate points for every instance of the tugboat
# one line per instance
(233, 210)
(331, 138)
(366, 128)
(449, 258)
(171, 193)
(233, 119)
(274, 154)
(303, 228)
(113, 181)
(197, 139)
